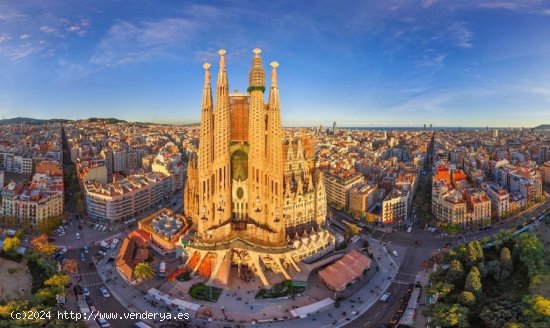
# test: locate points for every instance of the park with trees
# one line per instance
(501, 283)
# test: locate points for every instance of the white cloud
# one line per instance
(462, 34)
(18, 52)
(24, 36)
(48, 30)
(435, 61)
(428, 3)
(4, 38)
(10, 15)
(80, 28)
(128, 43)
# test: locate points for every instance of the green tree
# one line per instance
(454, 315)
(46, 295)
(537, 308)
(352, 230)
(456, 271)
(467, 298)
(473, 281)
(502, 237)
(493, 269)
(11, 244)
(470, 254)
(144, 270)
(531, 253)
(57, 280)
(48, 225)
(497, 314)
(442, 289)
(506, 264)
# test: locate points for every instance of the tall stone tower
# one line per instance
(235, 192)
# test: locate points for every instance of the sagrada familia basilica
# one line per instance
(255, 199)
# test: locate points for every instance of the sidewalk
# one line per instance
(135, 299)
(423, 277)
(360, 302)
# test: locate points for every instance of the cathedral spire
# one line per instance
(207, 124)
(274, 91)
(222, 74)
(256, 76)
(207, 91)
(222, 132)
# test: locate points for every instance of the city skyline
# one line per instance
(374, 65)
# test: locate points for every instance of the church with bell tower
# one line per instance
(252, 196)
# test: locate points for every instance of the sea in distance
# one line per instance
(417, 128)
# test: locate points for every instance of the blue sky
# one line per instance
(357, 62)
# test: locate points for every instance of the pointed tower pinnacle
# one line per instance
(222, 133)
(256, 77)
(222, 75)
(207, 91)
(207, 127)
(274, 91)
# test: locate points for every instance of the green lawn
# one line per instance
(202, 292)
(285, 288)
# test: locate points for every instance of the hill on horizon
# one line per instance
(37, 121)
(543, 127)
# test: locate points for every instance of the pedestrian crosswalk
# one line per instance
(92, 284)
(404, 278)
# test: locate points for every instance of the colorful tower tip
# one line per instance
(274, 64)
(206, 66)
(257, 51)
(222, 52)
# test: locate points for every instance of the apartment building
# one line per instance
(362, 198)
(500, 199)
(395, 206)
(339, 184)
(127, 197)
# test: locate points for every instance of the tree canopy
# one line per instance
(144, 270)
(11, 244)
(531, 253)
(41, 244)
(473, 281)
(456, 271)
(454, 315)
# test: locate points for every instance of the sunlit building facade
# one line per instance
(248, 207)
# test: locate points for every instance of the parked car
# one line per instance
(77, 235)
(102, 323)
(85, 291)
(104, 292)
(395, 318)
(385, 297)
(82, 257)
(402, 306)
(395, 253)
(85, 249)
(89, 300)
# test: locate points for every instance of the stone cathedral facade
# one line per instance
(254, 199)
